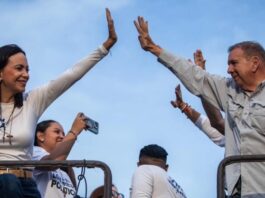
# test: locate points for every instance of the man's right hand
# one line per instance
(144, 38)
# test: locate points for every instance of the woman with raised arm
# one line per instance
(19, 111)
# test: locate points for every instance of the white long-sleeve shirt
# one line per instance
(203, 123)
(23, 122)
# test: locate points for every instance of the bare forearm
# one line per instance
(156, 50)
(191, 113)
(62, 149)
(109, 43)
(214, 115)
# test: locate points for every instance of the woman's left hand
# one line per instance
(112, 39)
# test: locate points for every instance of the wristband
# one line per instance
(186, 109)
(183, 108)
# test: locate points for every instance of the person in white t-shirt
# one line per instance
(52, 144)
(150, 179)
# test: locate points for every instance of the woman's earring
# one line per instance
(42, 140)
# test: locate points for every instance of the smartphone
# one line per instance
(92, 125)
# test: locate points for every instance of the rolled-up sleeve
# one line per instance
(197, 81)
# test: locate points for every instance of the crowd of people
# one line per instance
(234, 108)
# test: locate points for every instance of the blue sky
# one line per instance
(129, 92)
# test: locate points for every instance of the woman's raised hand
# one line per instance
(112, 39)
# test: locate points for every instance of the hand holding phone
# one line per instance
(92, 125)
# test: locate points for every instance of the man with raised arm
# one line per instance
(240, 97)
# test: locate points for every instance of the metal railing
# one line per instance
(67, 163)
(231, 160)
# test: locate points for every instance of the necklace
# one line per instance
(3, 124)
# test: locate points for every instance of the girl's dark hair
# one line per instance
(41, 127)
(6, 52)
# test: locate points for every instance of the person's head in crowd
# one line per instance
(246, 64)
(99, 192)
(14, 73)
(153, 155)
(48, 134)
